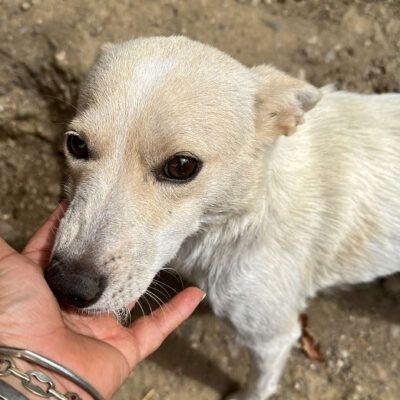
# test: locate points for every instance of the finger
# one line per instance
(150, 331)
(39, 246)
(5, 249)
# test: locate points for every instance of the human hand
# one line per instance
(96, 348)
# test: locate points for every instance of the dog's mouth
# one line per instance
(122, 313)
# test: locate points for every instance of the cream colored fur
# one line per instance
(291, 198)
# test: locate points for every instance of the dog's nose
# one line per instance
(76, 289)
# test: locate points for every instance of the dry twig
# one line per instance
(149, 395)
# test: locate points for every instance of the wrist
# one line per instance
(60, 384)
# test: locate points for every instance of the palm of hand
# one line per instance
(96, 348)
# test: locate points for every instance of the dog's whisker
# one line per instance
(141, 308)
(174, 274)
(158, 301)
(63, 211)
(152, 297)
(63, 123)
(144, 297)
(61, 101)
(162, 284)
(162, 291)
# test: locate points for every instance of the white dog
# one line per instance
(181, 155)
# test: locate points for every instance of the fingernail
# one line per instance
(204, 295)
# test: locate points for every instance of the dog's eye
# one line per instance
(77, 147)
(181, 167)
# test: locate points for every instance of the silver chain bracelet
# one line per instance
(7, 367)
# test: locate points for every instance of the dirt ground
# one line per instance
(46, 47)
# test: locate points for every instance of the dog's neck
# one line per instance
(233, 239)
(226, 237)
(215, 247)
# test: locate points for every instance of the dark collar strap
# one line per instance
(7, 392)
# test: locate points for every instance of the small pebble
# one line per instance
(313, 39)
(345, 354)
(358, 388)
(340, 364)
(274, 25)
(395, 332)
(330, 56)
(25, 6)
(60, 56)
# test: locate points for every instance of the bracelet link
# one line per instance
(28, 385)
(5, 366)
(10, 369)
(73, 396)
(19, 374)
(59, 395)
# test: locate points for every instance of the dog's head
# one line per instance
(169, 134)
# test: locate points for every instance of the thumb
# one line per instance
(39, 246)
(150, 331)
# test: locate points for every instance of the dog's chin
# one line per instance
(122, 314)
(98, 309)
(87, 310)
(108, 310)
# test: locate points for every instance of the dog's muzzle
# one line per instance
(74, 284)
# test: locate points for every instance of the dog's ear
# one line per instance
(281, 101)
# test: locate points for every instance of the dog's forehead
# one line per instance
(117, 90)
(164, 95)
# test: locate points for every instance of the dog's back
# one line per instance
(354, 170)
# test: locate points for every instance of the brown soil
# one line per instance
(46, 47)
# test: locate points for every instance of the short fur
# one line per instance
(299, 190)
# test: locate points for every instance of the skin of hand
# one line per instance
(96, 348)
